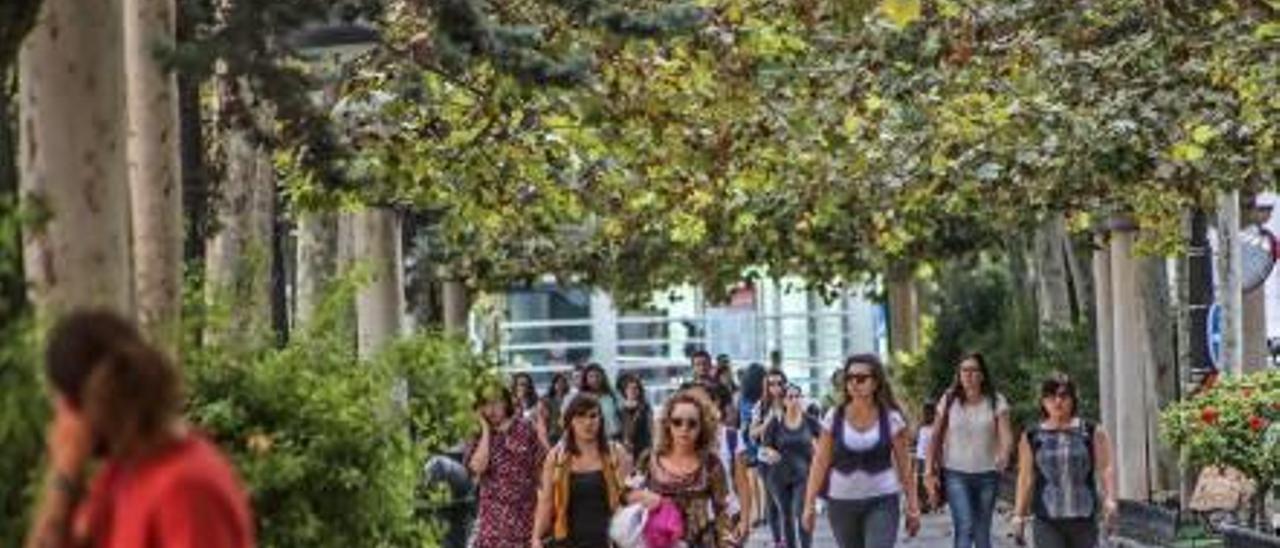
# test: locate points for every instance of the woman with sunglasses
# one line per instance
(1061, 462)
(769, 408)
(788, 446)
(582, 481)
(969, 448)
(863, 462)
(685, 470)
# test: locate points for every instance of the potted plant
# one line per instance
(1232, 422)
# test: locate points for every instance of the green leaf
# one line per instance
(1188, 152)
(1202, 134)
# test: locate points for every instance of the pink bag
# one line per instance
(665, 526)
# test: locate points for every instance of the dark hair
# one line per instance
(929, 412)
(1058, 382)
(628, 378)
(884, 392)
(555, 380)
(700, 354)
(584, 384)
(753, 383)
(767, 399)
(583, 402)
(956, 390)
(531, 397)
(488, 394)
(128, 391)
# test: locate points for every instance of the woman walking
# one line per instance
(595, 381)
(525, 394)
(582, 481)
(684, 470)
(789, 444)
(1061, 462)
(770, 406)
(969, 447)
(505, 459)
(863, 462)
(555, 399)
(637, 416)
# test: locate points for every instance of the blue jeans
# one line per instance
(972, 498)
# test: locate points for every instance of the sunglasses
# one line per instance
(860, 378)
(684, 423)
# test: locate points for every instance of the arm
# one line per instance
(51, 527)
(542, 516)
(1023, 494)
(1004, 430)
(746, 496)
(478, 462)
(906, 471)
(1105, 472)
(544, 438)
(759, 421)
(934, 451)
(720, 501)
(818, 469)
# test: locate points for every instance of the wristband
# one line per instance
(66, 485)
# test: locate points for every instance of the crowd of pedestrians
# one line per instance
(731, 451)
(593, 465)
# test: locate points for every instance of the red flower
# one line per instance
(1257, 423)
(1246, 392)
(1209, 415)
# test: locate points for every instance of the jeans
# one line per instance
(972, 498)
(864, 523)
(772, 513)
(1065, 533)
(789, 500)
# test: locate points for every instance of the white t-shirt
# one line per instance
(860, 484)
(727, 461)
(972, 443)
(923, 437)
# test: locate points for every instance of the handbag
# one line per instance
(626, 529)
(664, 527)
(1221, 488)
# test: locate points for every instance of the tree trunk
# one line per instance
(380, 303)
(904, 311)
(1131, 361)
(154, 183)
(317, 261)
(1161, 375)
(195, 179)
(238, 267)
(457, 305)
(72, 159)
(1104, 321)
(1053, 292)
(1229, 291)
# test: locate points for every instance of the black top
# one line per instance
(588, 510)
(795, 447)
(637, 428)
(872, 461)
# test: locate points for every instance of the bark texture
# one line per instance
(154, 170)
(380, 303)
(72, 159)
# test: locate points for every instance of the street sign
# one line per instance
(1213, 333)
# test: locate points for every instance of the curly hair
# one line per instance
(706, 433)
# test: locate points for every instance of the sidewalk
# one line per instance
(935, 532)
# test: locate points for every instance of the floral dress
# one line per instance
(508, 493)
(702, 497)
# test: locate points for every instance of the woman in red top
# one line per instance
(160, 484)
(506, 460)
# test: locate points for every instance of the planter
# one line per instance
(1147, 523)
(1242, 537)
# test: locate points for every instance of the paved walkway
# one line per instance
(935, 532)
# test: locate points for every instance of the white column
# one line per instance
(1228, 290)
(604, 332)
(1131, 360)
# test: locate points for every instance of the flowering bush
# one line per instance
(1232, 422)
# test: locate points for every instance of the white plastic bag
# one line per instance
(626, 529)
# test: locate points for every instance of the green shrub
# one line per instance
(318, 437)
(23, 413)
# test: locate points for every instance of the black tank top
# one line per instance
(588, 510)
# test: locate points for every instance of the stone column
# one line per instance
(1132, 357)
(1105, 332)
